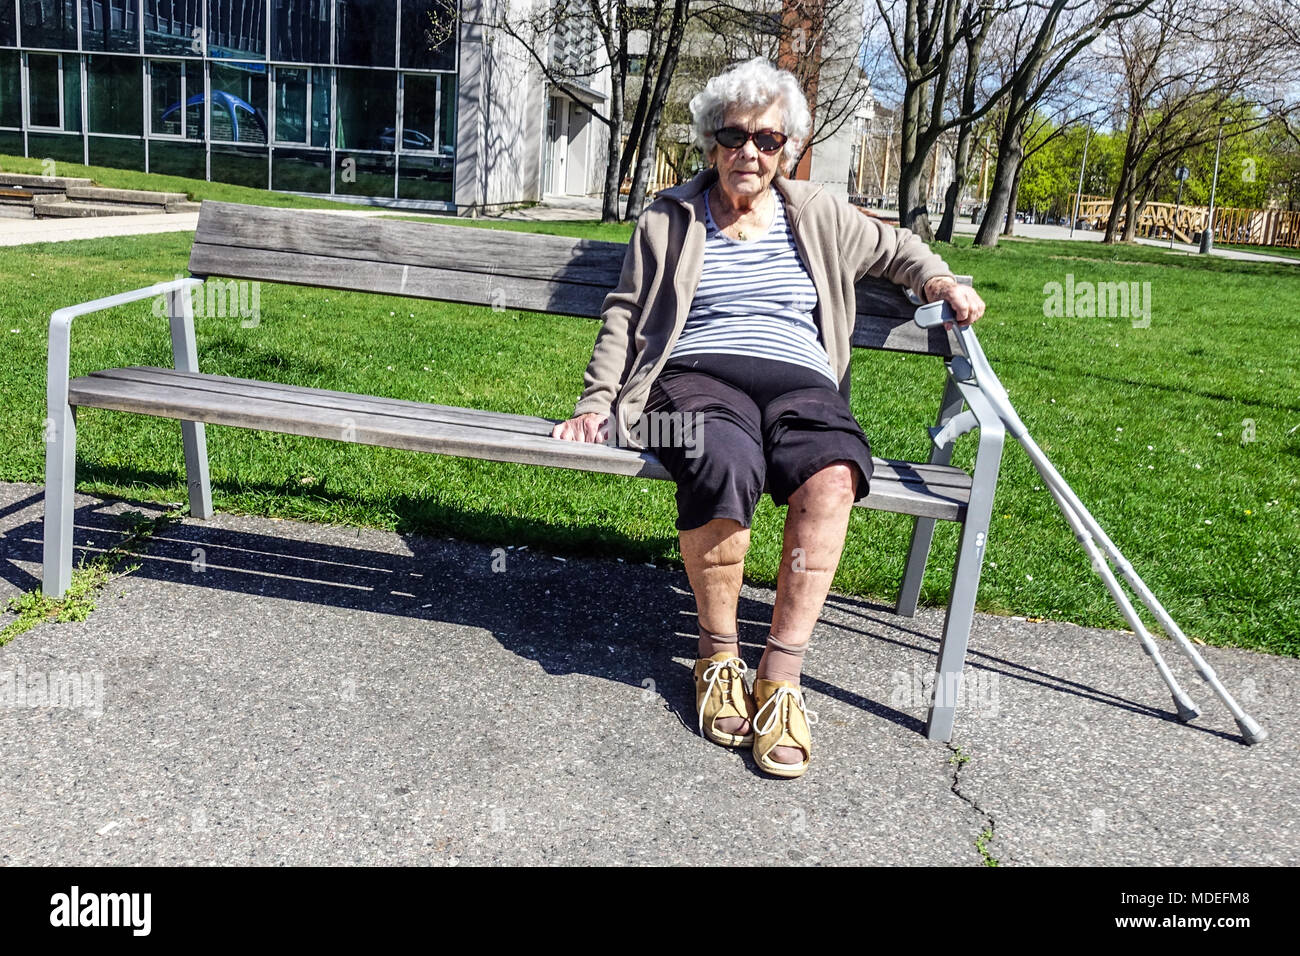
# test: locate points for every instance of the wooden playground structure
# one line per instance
(1160, 220)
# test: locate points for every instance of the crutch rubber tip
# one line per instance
(1252, 732)
(1187, 711)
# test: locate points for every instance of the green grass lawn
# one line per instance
(197, 189)
(1182, 438)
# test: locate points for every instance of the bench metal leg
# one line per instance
(918, 552)
(965, 585)
(185, 358)
(60, 488)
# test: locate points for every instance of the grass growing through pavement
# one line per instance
(88, 578)
(197, 189)
(1181, 438)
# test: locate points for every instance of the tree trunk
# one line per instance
(912, 213)
(1116, 204)
(1004, 177)
(965, 137)
(957, 186)
(1130, 218)
(609, 207)
(647, 148)
(1009, 227)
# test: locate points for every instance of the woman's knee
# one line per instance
(837, 482)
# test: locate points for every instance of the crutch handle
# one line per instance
(933, 314)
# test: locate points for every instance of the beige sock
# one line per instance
(711, 643)
(783, 661)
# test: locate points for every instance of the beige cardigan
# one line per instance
(647, 310)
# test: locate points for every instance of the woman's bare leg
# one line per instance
(815, 526)
(714, 555)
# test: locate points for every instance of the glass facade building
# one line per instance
(334, 97)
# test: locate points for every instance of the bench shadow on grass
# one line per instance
(557, 613)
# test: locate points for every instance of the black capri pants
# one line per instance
(740, 423)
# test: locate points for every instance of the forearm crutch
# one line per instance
(1085, 527)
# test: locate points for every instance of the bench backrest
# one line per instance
(515, 270)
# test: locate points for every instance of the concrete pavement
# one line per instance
(280, 692)
(17, 232)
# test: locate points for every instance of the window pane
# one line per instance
(425, 177)
(300, 170)
(177, 159)
(364, 174)
(169, 28)
(43, 89)
(237, 28)
(366, 31)
(72, 92)
(8, 31)
(49, 24)
(320, 107)
(447, 122)
(367, 109)
(241, 165)
(11, 113)
(291, 105)
(64, 147)
(111, 25)
(11, 143)
(300, 30)
(420, 111)
(428, 34)
(238, 111)
(165, 96)
(117, 153)
(114, 95)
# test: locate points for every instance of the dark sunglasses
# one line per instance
(767, 140)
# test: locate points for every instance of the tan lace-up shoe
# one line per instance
(781, 720)
(720, 692)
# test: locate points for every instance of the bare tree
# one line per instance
(1184, 75)
(1048, 38)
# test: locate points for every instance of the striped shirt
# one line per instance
(755, 298)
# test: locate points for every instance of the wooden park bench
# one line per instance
(483, 267)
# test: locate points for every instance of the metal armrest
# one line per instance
(57, 363)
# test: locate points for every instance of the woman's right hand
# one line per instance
(590, 427)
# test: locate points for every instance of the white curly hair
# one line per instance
(754, 84)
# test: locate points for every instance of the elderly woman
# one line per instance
(734, 314)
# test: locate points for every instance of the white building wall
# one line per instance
(500, 111)
(501, 121)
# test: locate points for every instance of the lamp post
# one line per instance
(1207, 234)
(1078, 196)
(1180, 174)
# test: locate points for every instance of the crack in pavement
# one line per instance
(958, 760)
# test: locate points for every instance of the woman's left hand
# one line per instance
(966, 304)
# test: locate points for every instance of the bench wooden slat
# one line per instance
(421, 282)
(304, 393)
(929, 490)
(528, 271)
(491, 253)
(348, 403)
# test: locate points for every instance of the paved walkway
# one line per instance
(278, 692)
(1033, 231)
(17, 232)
